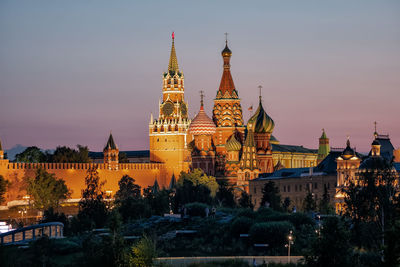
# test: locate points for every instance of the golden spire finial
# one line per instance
(226, 38)
(173, 61)
(260, 87)
(201, 99)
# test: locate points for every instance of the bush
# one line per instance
(272, 233)
(249, 213)
(241, 225)
(299, 219)
(196, 209)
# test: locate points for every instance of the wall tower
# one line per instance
(168, 134)
(324, 148)
(111, 153)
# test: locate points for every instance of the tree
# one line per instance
(127, 189)
(333, 247)
(198, 177)
(271, 196)
(286, 204)
(3, 188)
(309, 203)
(46, 190)
(144, 252)
(64, 154)
(31, 154)
(325, 206)
(158, 200)
(371, 202)
(245, 201)
(92, 208)
(225, 195)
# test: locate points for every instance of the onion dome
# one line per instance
(233, 144)
(260, 122)
(226, 52)
(202, 124)
(348, 152)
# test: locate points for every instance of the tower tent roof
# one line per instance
(110, 143)
(173, 61)
(323, 136)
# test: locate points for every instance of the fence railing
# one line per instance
(32, 232)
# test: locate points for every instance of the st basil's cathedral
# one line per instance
(223, 145)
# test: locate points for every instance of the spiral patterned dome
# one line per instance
(202, 124)
(233, 144)
(260, 122)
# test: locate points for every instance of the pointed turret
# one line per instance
(110, 143)
(111, 153)
(324, 148)
(155, 187)
(172, 184)
(173, 61)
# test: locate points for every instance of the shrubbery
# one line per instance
(196, 209)
(272, 233)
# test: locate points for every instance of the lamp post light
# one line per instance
(290, 242)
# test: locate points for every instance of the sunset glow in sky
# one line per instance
(71, 71)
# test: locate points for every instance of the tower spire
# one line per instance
(173, 61)
(201, 99)
(375, 133)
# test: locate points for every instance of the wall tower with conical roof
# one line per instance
(111, 153)
(168, 133)
(324, 148)
(227, 112)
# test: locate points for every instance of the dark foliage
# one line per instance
(271, 197)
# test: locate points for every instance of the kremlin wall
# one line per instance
(245, 155)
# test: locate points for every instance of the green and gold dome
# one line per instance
(233, 144)
(260, 122)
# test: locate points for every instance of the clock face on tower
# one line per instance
(168, 108)
(183, 109)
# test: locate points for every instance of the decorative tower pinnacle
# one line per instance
(173, 61)
(324, 148)
(111, 153)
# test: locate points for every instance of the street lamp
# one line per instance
(290, 242)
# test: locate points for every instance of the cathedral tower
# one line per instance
(227, 112)
(203, 150)
(168, 133)
(263, 126)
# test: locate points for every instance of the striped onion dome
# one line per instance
(233, 144)
(202, 124)
(260, 122)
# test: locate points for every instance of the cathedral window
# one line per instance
(300, 188)
(284, 188)
(288, 188)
